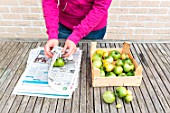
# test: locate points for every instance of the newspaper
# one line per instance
(41, 79)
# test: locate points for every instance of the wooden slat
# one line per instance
(142, 90)
(154, 67)
(164, 57)
(7, 76)
(76, 94)
(118, 101)
(3, 45)
(23, 104)
(45, 106)
(60, 104)
(53, 106)
(97, 98)
(89, 87)
(149, 82)
(112, 107)
(105, 107)
(83, 80)
(13, 81)
(9, 53)
(38, 105)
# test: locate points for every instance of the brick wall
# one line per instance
(135, 19)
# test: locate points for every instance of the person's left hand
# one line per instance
(70, 46)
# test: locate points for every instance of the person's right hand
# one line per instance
(49, 46)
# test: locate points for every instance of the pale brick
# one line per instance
(133, 37)
(154, 25)
(136, 24)
(31, 35)
(165, 4)
(163, 18)
(5, 23)
(14, 29)
(36, 9)
(165, 37)
(118, 10)
(114, 37)
(143, 31)
(11, 16)
(19, 9)
(119, 31)
(8, 2)
(150, 3)
(22, 23)
(117, 24)
(126, 17)
(129, 3)
(2, 29)
(8, 35)
(38, 23)
(31, 16)
(158, 11)
(115, 3)
(161, 31)
(146, 18)
(112, 17)
(4, 10)
(151, 37)
(32, 30)
(167, 24)
(138, 11)
(28, 3)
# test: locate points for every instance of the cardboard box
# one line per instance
(98, 81)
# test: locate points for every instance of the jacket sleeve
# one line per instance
(51, 15)
(92, 19)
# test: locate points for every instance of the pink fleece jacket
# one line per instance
(81, 16)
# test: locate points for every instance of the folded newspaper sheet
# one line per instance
(41, 79)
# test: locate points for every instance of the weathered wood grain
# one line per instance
(152, 96)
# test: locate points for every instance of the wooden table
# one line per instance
(153, 96)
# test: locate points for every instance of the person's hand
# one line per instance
(70, 46)
(49, 46)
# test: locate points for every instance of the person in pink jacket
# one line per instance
(74, 20)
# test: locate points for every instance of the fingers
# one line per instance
(70, 52)
(64, 49)
(48, 51)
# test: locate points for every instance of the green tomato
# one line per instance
(127, 67)
(96, 57)
(118, 69)
(118, 106)
(124, 56)
(112, 53)
(99, 52)
(129, 92)
(109, 67)
(109, 59)
(119, 62)
(128, 98)
(121, 92)
(108, 97)
(121, 74)
(102, 73)
(110, 74)
(115, 54)
(127, 60)
(59, 62)
(130, 73)
(105, 55)
(97, 63)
